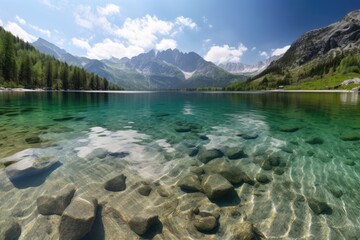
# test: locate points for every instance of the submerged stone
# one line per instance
(335, 191)
(141, 223)
(319, 207)
(262, 178)
(206, 155)
(116, 184)
(244, 231)
(349, 162)
(78, 218)
(144, 190)
(182, 129)
(205, 222)
(234, 153)
(190, 182)
(315, 140)
(248, 136)
(350, 137)
(216, 186)
(33, 140)
(289, 128)
(55, 203)
(9, 229)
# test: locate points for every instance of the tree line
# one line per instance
(21, 65)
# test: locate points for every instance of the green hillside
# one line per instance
(21, 65)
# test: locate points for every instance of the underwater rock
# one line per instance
(116, 184)
(315, 140)
(262, 178)
(279, 171)
(98, 153)
(335, 191)
(289, 128)
(203, 137)
(319, 207)
(246, 231)
(266, 165)
(57, 202)
(192, 152)
(216, 186)
(349, 162)
(234, 174)
(182, 129)
(248, 136)
(10, 229)
(205, 222)
(78, 218)
(190, 182)
(144, 190)
(29, 167)
(33, 140)
(234, 153)
(141, 223)
(350, 137)
(206, 155)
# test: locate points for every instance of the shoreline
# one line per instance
(2, 89)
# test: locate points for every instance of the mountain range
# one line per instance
(170, 69)
(248, 69)
(320, 59)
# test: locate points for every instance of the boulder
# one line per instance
(335, 191)
(33, 140)
(248, 136)
(234, 153)
(55, 203)
(315, 140)
(182, 129)
(206, 155)
(244, 231)
(349, 162)
(190, 182)
(350, 137)
(144, 190)
(262, 178)
(78, 218)
(29, 167)
(205, 222)
(116, 184)
(319, 207)
(10, 229)
(98, 153)
(289, 128)
(141, 223)
(216, 186)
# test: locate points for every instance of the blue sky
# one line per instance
(221, 31)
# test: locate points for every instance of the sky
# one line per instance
(245, 31)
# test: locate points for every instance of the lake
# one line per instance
(291, 161)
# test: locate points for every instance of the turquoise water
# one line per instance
(136, 133)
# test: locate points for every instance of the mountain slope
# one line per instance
(21, 65)
(319, 59)
(247, 69)
(170, 69)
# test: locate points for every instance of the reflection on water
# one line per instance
(297, 155)
(349, 98)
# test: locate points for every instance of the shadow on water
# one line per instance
(34, 180)
(97, 232)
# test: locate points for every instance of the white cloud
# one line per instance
(81, 43)
(165, 44)
(109, 9)
(20, 20)
(280, 51)
(109, 48)
(253, 48)
(143, 32)
(41, 30)
(15, 29)
(60, 4)
(225, 53)
(186, 22)
(207, 40)
(206, 21)
(264, 54)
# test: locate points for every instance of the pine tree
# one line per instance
(8, 63)
(49, 75)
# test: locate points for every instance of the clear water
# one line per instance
(139, 130)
